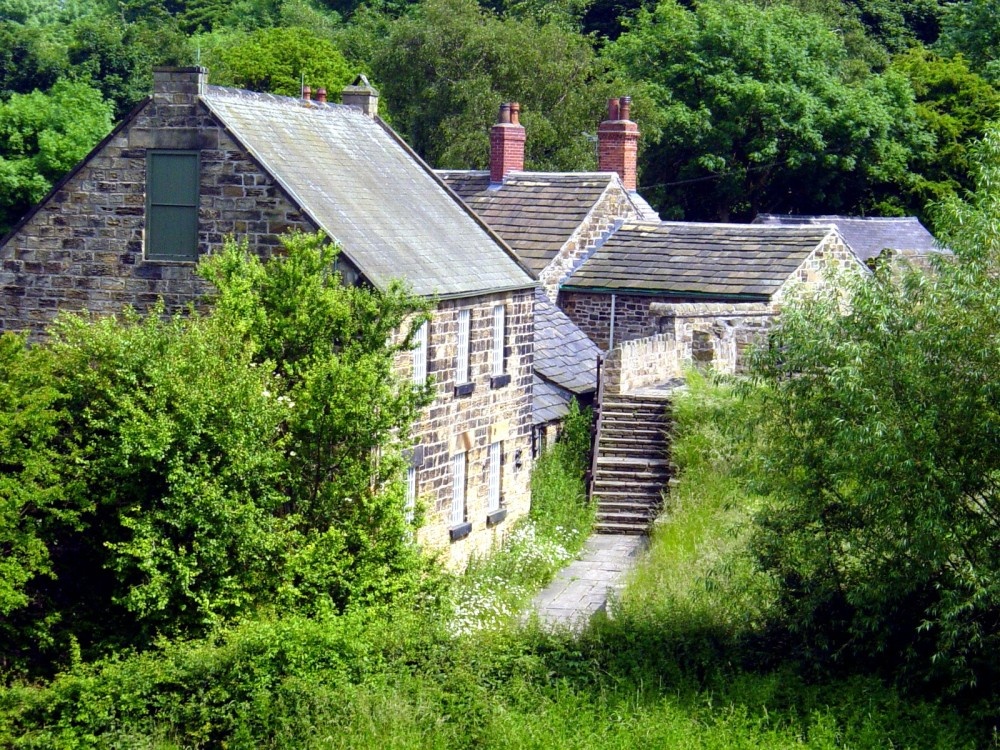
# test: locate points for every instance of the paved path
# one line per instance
(581, 588)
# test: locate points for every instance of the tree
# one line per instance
(276, 61)
(42, 136)
(757, 109)
(972, 28)
(165, 475)
(447, 65)
(956, 106)
(877, 444)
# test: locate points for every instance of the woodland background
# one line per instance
(745, 106)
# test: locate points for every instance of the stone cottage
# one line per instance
(711, 288)
(194, 163)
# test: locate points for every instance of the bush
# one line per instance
(169, 474)
(879, 451)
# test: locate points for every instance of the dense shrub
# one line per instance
(879, 450)
(164, 475)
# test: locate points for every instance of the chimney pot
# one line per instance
(306, 93)
(321, 95)
(506, 142)
(618, 142)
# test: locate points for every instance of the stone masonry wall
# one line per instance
(643, 362)
(474, 421)
(84, 248)
(714, 335)
(611, 209)
(830, 259)
(591, 311)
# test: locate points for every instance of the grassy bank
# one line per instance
(687, 663)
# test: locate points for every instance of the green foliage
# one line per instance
(955, 106)
(445, 67)
(208, 465)
(42, 136)
(558, 491)
(972, 28)
(758, 109)
(879, 452)
(276, 60)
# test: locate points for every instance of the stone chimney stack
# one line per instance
(506, 143)
(179, 86)
(618, 142)
(361, 94)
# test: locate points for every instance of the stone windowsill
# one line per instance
(496, 517)
(460, 532)
(499, 381)
(465, 389)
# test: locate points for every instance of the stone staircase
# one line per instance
(631, 466)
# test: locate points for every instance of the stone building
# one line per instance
(711, 288)
(869, 236)
(194, 163)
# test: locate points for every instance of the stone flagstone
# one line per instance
(581, 588)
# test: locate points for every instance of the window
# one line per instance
(420, 355)
(495, 458)
(497, 377)
(411, 493)
(458, 489)
(172, 205)
(463, 380)
(498, 324)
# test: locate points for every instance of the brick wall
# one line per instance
(479, 417)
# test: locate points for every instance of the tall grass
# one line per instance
(668, 672)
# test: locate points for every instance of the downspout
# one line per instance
(611, 335)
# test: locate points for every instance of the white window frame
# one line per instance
(411, 493)
(464, 347)
(495, 468)
(499, 325)
(458, 466)
(420, 353)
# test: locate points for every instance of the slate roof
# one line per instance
(535, 212)
(549, 401)
(698, 260)
(867, 236)
(364, 187)
(564, 354)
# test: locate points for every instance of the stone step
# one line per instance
(627, 506)
(640, 519)
(634, 498)
(608, 527)
(604, 489)
(632, 462)
(633, 415)
(630, 478)
(632, 447)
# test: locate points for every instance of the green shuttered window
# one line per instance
(172, 205)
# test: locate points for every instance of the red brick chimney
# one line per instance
(618, 142)
(506, 142)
